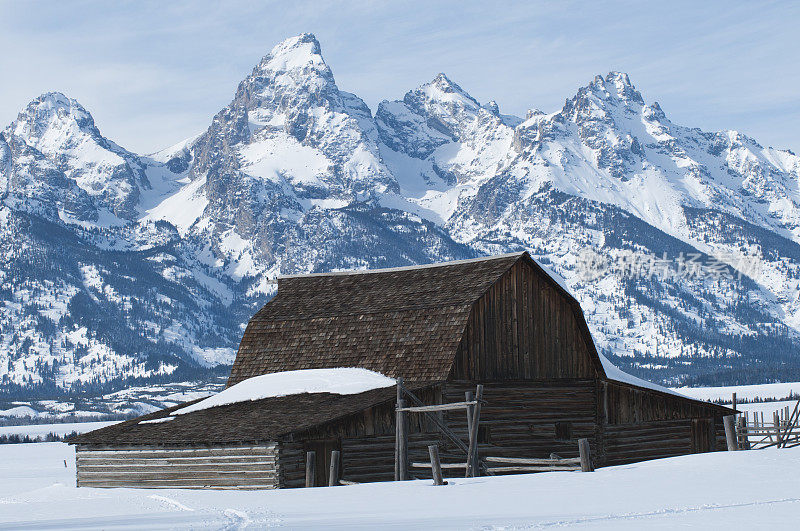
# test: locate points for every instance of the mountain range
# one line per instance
(117, 268)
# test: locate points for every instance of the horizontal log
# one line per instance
(438, 407)
(532, 461)
(444, 465)
(533, 468)
(168, 474)
(177, 461)
(174, 484)
(123, 469)
(184, 452)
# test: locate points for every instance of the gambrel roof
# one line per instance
(400, 322)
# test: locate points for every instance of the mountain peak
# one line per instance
(298, 52)
(443, 90)
(49, 107)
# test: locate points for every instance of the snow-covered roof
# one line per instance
(618, 375)
(340, 381)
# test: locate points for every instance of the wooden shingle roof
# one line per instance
(400, 322)
(243, 422)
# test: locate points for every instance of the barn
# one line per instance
(503, 322)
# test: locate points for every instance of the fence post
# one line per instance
(733, 401)
(586, 457)
(402, 442)
(333, 476)
(436, 466)
(730, 432)
(311, 469)
(472, 453)
(397, 432)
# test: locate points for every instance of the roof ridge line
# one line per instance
(404, 268)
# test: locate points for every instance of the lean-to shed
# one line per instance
(504, 322)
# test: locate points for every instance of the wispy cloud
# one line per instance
(153, 73)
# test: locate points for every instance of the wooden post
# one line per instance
(733, 402)
(586, 457)
(436, 465)
(333, 476)
(472, 454)
(777, 421)
(730, 431)
(470, 411)
(402, 442)
(311, 469)
(397, 432)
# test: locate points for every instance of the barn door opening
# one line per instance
(702, 435)
(323, 450)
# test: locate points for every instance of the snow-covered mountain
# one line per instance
(683, 246)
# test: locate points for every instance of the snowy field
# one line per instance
(743, 392)
(61, 428)
(724, 490)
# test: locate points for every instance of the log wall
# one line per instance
(229, 467)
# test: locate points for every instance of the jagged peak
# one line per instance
(54, 104)
(443, 89)
(298, 52)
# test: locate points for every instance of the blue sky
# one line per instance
(154, 73)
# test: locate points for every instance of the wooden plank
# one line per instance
(532, 461)
(442, 465)
(532, 469)
(438, 407)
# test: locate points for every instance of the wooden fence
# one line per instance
(755, 431)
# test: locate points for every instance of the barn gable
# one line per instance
(405, 322)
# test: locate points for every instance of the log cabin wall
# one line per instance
(366, 442)
(218, 467)
(523, 328)
(528, 419)
(639, 424)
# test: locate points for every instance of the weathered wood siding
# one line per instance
(624, 404)
(229, 467)
(523, 328)
(528, 419)
(365, 440)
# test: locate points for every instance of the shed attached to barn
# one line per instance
(504, 322)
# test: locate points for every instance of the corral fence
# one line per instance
(753, 430)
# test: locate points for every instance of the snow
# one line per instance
(61, 428)
(340, 381)
(615, 373)
(743, 392)
(722, 490)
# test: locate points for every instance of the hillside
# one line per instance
(119, 269)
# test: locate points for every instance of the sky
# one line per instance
(154, 73)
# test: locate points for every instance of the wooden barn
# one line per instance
(502, 322)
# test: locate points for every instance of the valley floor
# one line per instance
(724, 490)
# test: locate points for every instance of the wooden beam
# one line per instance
(436, 468)
(333, 475)
(472, 454)
(402, 442)
(586, 457)
(730, 432)
(532, 461)
(311, 469)
(438, 407)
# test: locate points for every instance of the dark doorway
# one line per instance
(322, 450)
(702, 435)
